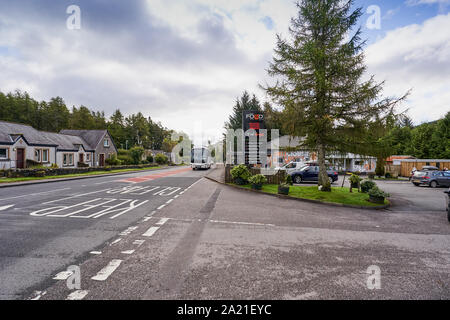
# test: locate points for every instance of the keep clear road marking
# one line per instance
(64, 275)
(104, 274)
(77, 295)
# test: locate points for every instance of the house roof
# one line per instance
(10, 132)
(92, 137)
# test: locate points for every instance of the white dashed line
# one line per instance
(95, 252)
(103, 274)
(176, 196)
(38, 295)
(138, 242)
(160, 207)
(169, 201)
(64, 275)
(162, 221)
(151, 231)
(115, 241)
(128, 252)
(77, 295)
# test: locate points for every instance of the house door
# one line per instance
(101, 160)
(20, 158)
(82, 157)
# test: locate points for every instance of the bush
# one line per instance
(136, 154)
(388, 175)
(82, 165)
(240, 172)
(378, 193)
(288, 181)
(150, 158)
(257, 179)
(39, 173)
(123, 152)
(161, 158)
(125, 159)
(113, 161)
(355, 179)
(54, 166)
(367, 185)
(145, 162)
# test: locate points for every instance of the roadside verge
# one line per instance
(300, 199)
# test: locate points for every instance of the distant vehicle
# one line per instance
(200, 158)
(311, 173)
(432, 179)
(448, 204)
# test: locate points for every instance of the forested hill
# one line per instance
(54, 116)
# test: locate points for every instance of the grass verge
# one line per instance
(338, 195)
(22, 179)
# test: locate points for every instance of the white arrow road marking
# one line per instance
(104, 274)
(6, 207)
(77, 295)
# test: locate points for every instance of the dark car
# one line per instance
(448, 204)
(431, 178)
(311, 173)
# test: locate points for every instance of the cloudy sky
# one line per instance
(184, 62)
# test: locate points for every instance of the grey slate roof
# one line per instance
(10, 132)
(92, 137)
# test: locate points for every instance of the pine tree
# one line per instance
(243, 103)
(319, 84)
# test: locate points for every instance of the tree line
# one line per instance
(54, 116)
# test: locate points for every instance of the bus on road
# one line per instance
(200, 158)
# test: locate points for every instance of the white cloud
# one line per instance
(417, 57)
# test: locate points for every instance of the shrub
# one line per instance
(82, 165)
(288, 181)
(145, 161)
(54, 166)
(113, 161)
(123, 152)
(39, 173)
(355, 179)
(125, 159)
(388, 175)
(136, 154)
(378, 193)
(150, 158)
(367, 185)
(257, 179)
(240, 172)
(161, 158)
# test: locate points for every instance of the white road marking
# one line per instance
(160, 207)
(38, 295)
(146, 219)
(115, 241)
(95, 252)
(77, 295)
(128, 231)
(75, 196)
(169, 201)
(6, 207)
(64, 275)
(128, 252)
(176, 196)
(104, 274)
(151, 231)
(162, 221)
(243, 223)
(138, 242)
(33, 194)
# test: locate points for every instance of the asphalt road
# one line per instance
(210, 241)
(46, 227)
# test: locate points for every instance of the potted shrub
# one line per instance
(257, 181)
(283, 188)
(354, 182)
(376, 195)
(240, 174)
(366, 185)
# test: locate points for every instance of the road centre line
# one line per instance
(104, 274)
(128, 252)
(162, 221)
(33, 194)
(95, 252)
(160, 207)
(115, 241)
(77, 295)
(169, 201)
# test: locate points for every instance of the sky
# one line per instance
(185, 62)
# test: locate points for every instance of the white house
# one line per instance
(19, 143)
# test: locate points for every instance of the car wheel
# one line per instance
(433, 184)
(298, 179)
(416, 184)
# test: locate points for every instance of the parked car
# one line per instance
(311, 173)
(430, 168)
(448, 204)
(292, 167)
(431, 178)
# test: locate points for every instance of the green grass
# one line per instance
(21, 179)
(338, 195)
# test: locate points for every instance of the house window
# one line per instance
(3, 153)
(68, 159)
(37, 155)
(106, 143)
(45, 155)
(88, 157)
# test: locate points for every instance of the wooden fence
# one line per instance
(277, 178)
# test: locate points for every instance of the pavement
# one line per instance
(210, 241)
